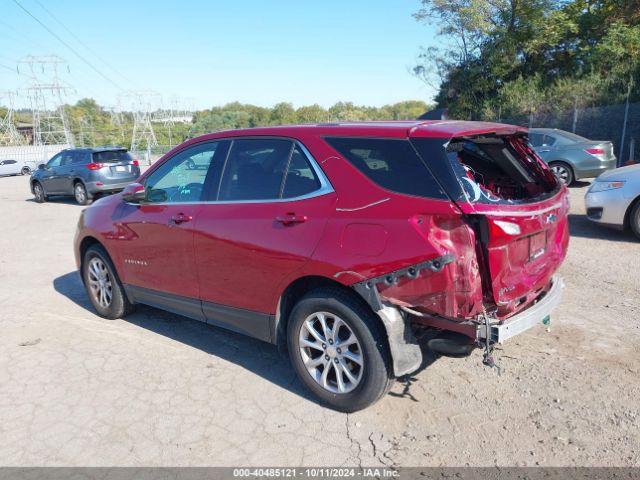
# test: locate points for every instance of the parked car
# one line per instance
(13, 167)
(570, 156)
(339, 241)
(84, 173)
(30, 156)
(614, 199)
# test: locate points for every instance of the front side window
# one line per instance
(183, 178)
(390, 163)
(55, 161)
(67, 159)
(255, 169)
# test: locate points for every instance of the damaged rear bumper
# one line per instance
(405, 348)
(534, 315)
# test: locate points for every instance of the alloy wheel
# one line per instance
(80, 193)
(38, 193)
(100, 282)
(331, 352)
(561, 172)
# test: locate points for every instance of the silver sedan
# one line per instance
(570, 156)
(614, 199)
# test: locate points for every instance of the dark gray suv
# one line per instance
(84, 173)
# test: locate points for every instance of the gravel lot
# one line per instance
(157, 389)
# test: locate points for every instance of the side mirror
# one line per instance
(134, 193)
(41, 166)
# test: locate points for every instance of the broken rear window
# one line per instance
(493, 169)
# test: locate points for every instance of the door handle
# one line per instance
(179, 218)
(544, 151)
(291, 218)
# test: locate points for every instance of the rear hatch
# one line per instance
(116, 166)
(517, 207)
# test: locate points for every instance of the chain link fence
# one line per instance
(619, 124)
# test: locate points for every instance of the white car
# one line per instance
(614, 199)
(13, 167)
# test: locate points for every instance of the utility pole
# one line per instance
(624, 124)
(9, 135)
(46, 91)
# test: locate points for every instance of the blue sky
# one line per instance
(214, 52)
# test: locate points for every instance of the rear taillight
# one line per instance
(594, 151)
(94, 166)
(502, 232)
(135, 163)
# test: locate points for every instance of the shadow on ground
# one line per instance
(259, 357)
(580, 226)
(61, 200)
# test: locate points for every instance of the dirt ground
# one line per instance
(157, 389)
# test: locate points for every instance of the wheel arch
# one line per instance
(566, 161)
(298, 289)
(626, 222)
(84, 245)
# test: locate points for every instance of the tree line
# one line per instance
(91, 124)
(506, 58)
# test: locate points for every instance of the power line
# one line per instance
(68, 46)
(70, 32)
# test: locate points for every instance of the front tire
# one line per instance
(80, 194)
(634, 219)
(339, 350)
(25, 171)
(563, 172)
(38, 193)
(103, 285)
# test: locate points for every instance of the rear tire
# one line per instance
(103, 285)
(563, 172)
(25, 171)
(634, 219)
(38, 193)
(357, 351)
(80, 194)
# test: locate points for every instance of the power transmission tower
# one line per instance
(9, 135)
(45, 91)
(117, 120)
(143, 103)
(87, 137)
(169, 116)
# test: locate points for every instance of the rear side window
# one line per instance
(255, 169)
(111, 156)
(81, 157)
(390, 163)
(300, 179)
(536, 139)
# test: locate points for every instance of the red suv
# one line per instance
(341, 242)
